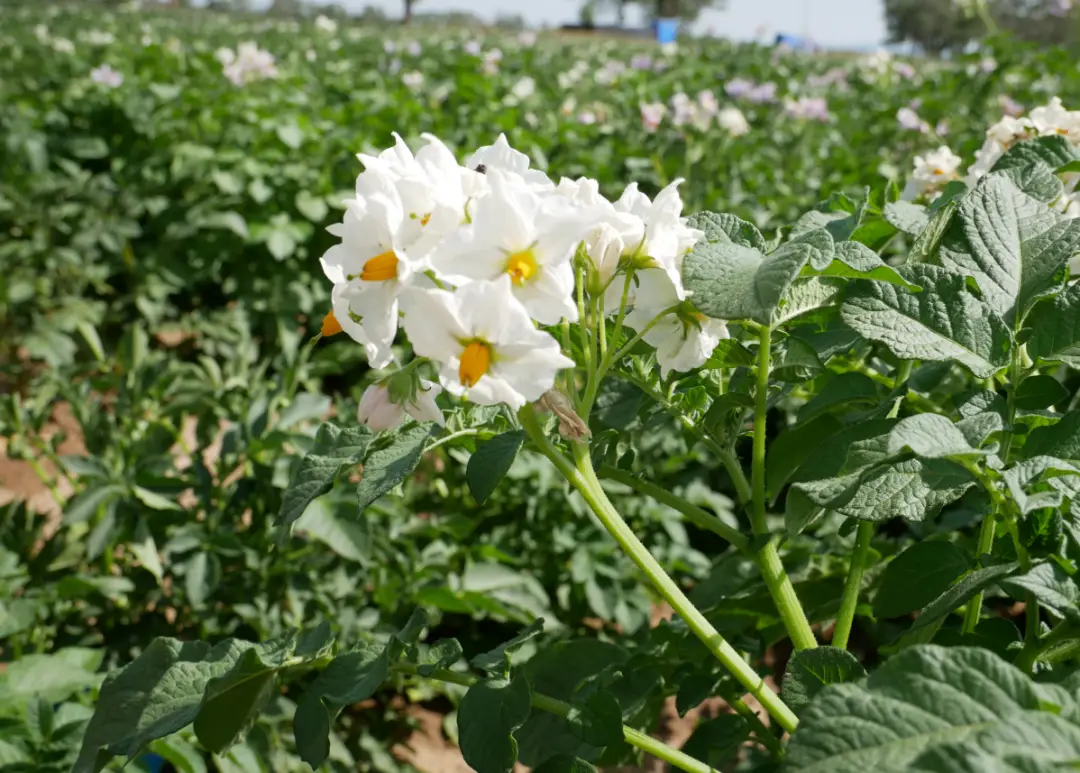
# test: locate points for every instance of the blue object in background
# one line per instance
(667, 30)
(794, 42)
(153, 762)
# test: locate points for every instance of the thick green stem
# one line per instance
(701, 518)
(850, 600)
(583, 478)
(772, 569)
(1061, 642)
(559, 708)
(986, 544)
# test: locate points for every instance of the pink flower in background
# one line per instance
(1061, 7)
(738, 87)
(587, 117)
(527, 38)
(473, 48)
(652, 114)
(1010, 106)
(808, 109)
(641, 62)
(942, 128)
(763, 93)
(107, 76)
(911, 121)
(904, 70)
(414, 48)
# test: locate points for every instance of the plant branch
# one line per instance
(700, 517)
(559, 708)
(583, 478)
(850, 599)
(772, 569)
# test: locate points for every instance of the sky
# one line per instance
(831, 23)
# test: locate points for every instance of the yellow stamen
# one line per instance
(939, 172)
(380, 268)
(425, 219)
(521, 266)
(475, 361)
(1062, 131)
(330, 325)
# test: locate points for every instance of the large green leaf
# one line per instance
(930, 436)
(810, 671)
(335, 450)
(1060, 440)
(232, 701)
(733, 281)
(910, 714)
(491, 462)
(489, 714)
(1015, 246)
(157, 694)
(389, 466)
(945, 322)
(1055, 328)
(918, 576)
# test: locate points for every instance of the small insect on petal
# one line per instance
(330, 325)
(475, 361)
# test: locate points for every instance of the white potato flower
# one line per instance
(732, 120)
(380, 412)
(488, 347)
(503, 157)
(530, 238)
(931, 173)
(685, 338)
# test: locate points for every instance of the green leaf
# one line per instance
(280, 243)
(925, 247)
(314, 208)
(153, 500)
(793, 447)
(489, 714)
(906, 217)
(727, 229)
(957, 595)
(387, 467)
(55, 676)
(202, 577)
(597, 720)
(145, 550)
(1038, 182)
(327, 522)
(1053, 151)
(497, 661)
(807, 295)
(930, 436)
(917, 576)
(84, 506)
(717, 741)
(335, 450)
(442, 654)
(291, 135)
(1060, 440)
(942, 323)
(857, 261)
(183, 756)
(912, 713)
(732, 281)
(352, 676)
(157, 694)
(1055, 326)
(913, 489)
(1040, 391)
(565, 763)
(492, 460)
(311, 729)
(1015, 247)
(232, 702)
(230, 221)
(618, 402)
(1051, 585)
(846, 389)
(811, 671)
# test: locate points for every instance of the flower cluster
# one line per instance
(758, 93)
(473, 262)
(1048, 119)
(107, 76)
(931, 173)
(807, 109)
(698, 113)
(247, 64)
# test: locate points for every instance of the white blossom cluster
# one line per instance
(247, 64)
(474, 261)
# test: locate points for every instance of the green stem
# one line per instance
(559, 708)
(726, 455)
(701, 518)
(482, 433)
(772, 569)
(1062, 641)
(850, 599)
(583, 478)
(986, 544)
(989, 525)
